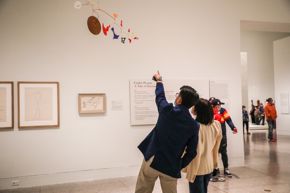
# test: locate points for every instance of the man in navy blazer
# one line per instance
(172, 143)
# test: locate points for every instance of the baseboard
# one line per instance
(67, 177)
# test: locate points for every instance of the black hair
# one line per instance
(204, 112)
(189, 96)
(243, 106)
(269, 100)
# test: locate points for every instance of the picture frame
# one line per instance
(38, 105)
(92, 103)
(6, 105)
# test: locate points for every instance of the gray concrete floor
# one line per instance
(267, 170)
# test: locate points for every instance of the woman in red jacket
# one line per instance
(271, 116)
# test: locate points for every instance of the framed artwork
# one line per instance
(38, 104)
(6, 105)
(92, 103)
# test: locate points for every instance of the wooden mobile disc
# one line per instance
(94, 25)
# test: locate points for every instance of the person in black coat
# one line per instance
(252, 112)
(172, 143)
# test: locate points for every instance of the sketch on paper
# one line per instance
(38, 104)
(6, 105)
(3, 103)
(91, 103)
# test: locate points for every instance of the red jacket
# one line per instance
(270, 111)
(223, 117)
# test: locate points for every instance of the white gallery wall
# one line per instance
(260, 65)
(282, 81)
(49, 41)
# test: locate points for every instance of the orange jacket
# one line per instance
(270, 111)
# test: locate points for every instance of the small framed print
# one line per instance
(38, 104)
(92, 103)
(6, 105)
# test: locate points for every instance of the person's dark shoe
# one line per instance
(227, 172)
(216, 172)
(248, 133)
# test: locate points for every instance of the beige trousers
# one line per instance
(147, 177)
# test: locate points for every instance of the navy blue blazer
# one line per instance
(174, 133)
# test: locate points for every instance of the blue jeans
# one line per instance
(271, 126)
(200, 184)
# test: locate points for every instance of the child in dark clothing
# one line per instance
(245, 120)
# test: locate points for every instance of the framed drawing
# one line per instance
(92, 103)
(6, 105)
(38, 104)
